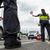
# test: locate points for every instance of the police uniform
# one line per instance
(11, 24)
(44, 22)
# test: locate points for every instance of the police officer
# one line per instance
(44, 22)
(11, 24)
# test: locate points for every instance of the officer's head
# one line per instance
(43, 11)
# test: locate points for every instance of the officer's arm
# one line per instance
(36, 15)
(1, 2)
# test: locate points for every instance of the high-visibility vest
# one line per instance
(43, 17)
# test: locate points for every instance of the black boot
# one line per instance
(15, 45)
(12, 42)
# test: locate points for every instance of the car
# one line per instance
(31, 37)
(32, 34)
(38, 37)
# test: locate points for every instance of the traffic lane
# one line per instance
(33, 46)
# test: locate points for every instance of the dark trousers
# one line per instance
(43, 26)
(10, 21)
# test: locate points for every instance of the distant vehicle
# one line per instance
(38, 37)
(32, 35)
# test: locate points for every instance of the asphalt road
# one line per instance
(30, 45)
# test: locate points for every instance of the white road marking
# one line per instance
(22, 42)
(27, 42)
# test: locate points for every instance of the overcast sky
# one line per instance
(24, 8)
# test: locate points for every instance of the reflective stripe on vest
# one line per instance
(43, 17)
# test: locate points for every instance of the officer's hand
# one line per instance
(31, 12)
